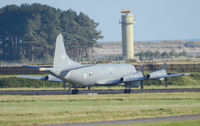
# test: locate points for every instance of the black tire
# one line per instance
(127, 91)
(75, 91)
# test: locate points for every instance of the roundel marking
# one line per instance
(85, 76)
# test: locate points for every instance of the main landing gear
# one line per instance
(127, 91)
(75, 91)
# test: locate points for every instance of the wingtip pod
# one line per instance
(42, 69)
(186, 74)
(38, 68)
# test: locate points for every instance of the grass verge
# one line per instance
(40, 110)
(103, 88)
(175, 123)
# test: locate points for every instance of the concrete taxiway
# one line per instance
(137, 121)
(82, 92)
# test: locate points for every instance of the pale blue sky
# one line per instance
(155, 19)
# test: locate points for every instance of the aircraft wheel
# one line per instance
(75, 91)
(127, 91)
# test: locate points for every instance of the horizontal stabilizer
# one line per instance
(49, 78)
(38, 68)
(54, 79)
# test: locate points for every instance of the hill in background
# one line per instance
(191, 48)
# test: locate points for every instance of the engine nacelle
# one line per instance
(157, 74)
(133, 76)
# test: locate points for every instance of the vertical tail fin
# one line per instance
(61, 59)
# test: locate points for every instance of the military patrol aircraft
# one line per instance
(67, 71)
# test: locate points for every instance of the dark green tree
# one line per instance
(28, 32)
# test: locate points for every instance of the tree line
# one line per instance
(148, 55)
(28, 32)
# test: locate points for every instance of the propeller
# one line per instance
(64, 85)
(141, 82)
(89, 88)
(165, 68)
(141, 85)
(142, 68)
(166, 82)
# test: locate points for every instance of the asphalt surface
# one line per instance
(137, 121)
(92, 92)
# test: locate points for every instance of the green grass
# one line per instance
(11, 81)
(33, 110)
(31, 89)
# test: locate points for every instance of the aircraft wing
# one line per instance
(49, 78)
(168, 76)
(135, 79)
(130, 78)
(138, 76)
(108, 82)
(32, 77)
(31, 67)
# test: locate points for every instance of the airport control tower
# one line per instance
(127, 21)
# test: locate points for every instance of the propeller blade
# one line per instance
(69, 89)
(165, 66)
(141, 85)
(166, 82)
(89, 88)
(64, 85)
(141, 82)
(142, 68)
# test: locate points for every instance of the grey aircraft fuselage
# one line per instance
(98, 74)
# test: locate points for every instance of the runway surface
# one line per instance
(137, 121)
(94, 92)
